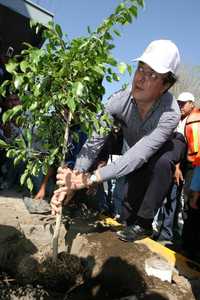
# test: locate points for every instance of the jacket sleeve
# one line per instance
(93, 146)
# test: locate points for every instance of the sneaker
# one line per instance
(133, 233)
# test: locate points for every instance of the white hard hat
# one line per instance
(186, 96)
(162, 56)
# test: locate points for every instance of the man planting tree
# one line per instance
(148, 115)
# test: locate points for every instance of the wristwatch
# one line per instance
(93, 178)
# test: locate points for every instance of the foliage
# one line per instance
(63, 76)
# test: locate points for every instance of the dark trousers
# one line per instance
(149, 185)
(191, 233)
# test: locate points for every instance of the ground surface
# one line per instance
(112, 269)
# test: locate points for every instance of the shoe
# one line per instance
(162, 238)
(133, 233)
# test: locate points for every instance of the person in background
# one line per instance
(191, 233)
(149, 115)
(170, 228)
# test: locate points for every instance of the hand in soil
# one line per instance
(56, 202)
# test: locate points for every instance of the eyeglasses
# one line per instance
(149, 75)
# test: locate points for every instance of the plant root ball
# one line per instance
(68, 270)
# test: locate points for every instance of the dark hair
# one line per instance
(170, 78)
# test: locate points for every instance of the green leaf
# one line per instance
(18, 81)
(33, 106)
(111, 61)
(23, 177)
(109, 79)
(29, 184)
(141, 2)
(35, 170)
(27, 45)
(17, 160)
(115, 77)
(6, 115)
(122, 67)
(24, 65)
(28, 135)
(71, 104)
(119, 8)
(89, 30)
(86, 78)
(3, 88)
(99, 70)
(129, 68)
(20, 142)
(133, 10)
(116, 32)
(78, 89)
(36, 91)
(11, 153)
(9, 114)
(35, 55)
(3, 144)
(59, 30)
(11, 66)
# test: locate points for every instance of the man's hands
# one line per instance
(57, 199)
(178, 175)
(72, 180)
(69, 181)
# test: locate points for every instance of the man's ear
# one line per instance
(192, 104)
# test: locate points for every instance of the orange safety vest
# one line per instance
(192, 134)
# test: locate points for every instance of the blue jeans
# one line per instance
(118, 195)
(169, 213)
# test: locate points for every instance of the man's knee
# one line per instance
(163, 164)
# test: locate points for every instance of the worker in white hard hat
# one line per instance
(189, 126)
(186, 103)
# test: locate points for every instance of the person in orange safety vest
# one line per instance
(191, 124)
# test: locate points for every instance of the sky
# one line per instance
(177, 20)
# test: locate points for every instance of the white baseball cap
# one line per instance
(186, 96)
(162, 56)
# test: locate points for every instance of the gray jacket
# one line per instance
(144, 137)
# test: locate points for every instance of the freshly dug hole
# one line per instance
(42, 277)
(68, 271)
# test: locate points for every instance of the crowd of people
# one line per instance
(154, 181)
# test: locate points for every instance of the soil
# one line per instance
(94, 265)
